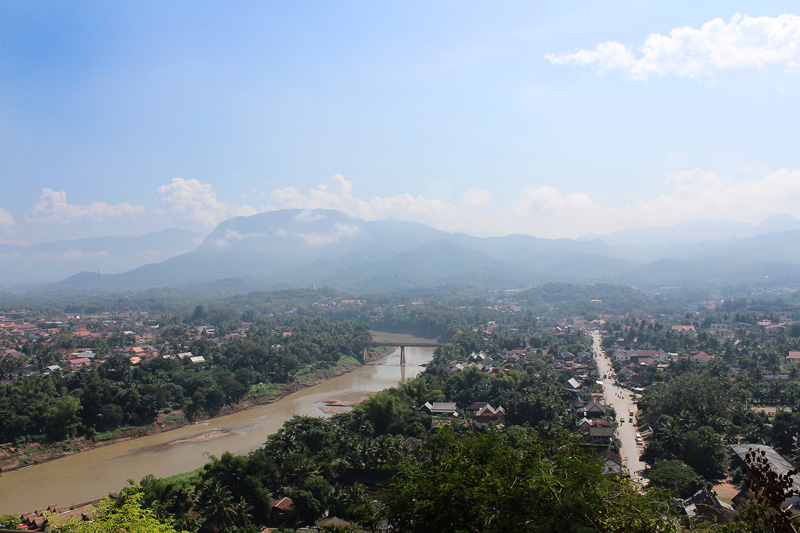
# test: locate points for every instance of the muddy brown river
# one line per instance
(93, 474)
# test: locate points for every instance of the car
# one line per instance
(630, 420)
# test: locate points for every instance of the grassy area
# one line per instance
(105, 435)
(308, 376)
(176, 417)
(185, 478)
(263, 390)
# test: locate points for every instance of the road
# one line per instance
(623, 404)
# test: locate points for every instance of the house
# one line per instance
(703, 506)
(702, 358)
(612, 460)
(775, 376)
(484, 413)
(601, 436)
(513, 356)
(197, 359)
(486, 366)
(453, 366)
(586, 423)
(594, 410)
(623, 355)
(655, 355)
(772, 461)
(637, 381)
(577, 406)
(793, 358)
(281, 508)
(440, 408)
(684, 330)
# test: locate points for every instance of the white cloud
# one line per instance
(337, 232)
(233, 235)
(475, 197)
(704, 195)
(545, 211)
(53, 207)
(744, 42)
(336, 193)
(6, 220)
(197, 202)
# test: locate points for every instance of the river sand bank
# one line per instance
(13, 458)
(165, 453)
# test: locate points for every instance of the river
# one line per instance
(90, 475)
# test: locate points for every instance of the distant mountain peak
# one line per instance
(778, 222)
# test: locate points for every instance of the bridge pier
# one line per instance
(364, 359)
(402, 355)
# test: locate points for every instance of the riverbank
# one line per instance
(16, 458)
(89, 475)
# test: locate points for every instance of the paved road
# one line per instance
(623, 404)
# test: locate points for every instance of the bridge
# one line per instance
(402, 346)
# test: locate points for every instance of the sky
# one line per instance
(553, 119)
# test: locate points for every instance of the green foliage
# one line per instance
(388, 412)
(127, 514)
(8, 521)
(97, 401)
(675, 477)
(494, 482)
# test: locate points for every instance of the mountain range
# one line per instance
(298, 248)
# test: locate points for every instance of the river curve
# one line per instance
(92, 474)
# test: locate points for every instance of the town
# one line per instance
(677, 401)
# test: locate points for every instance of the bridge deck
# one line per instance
(413, 344)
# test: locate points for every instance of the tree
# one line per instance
(63, 419)
(388, 411)
(216, 504)
(705, 452)
(675, 477)
(124, 515)
(493, 482)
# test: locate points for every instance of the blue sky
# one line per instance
(553, 119)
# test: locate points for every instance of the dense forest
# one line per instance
(97, 400)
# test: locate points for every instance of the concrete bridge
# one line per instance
(402, 346)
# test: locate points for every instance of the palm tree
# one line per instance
(217, 506)
(670, 431)
(243, 512)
